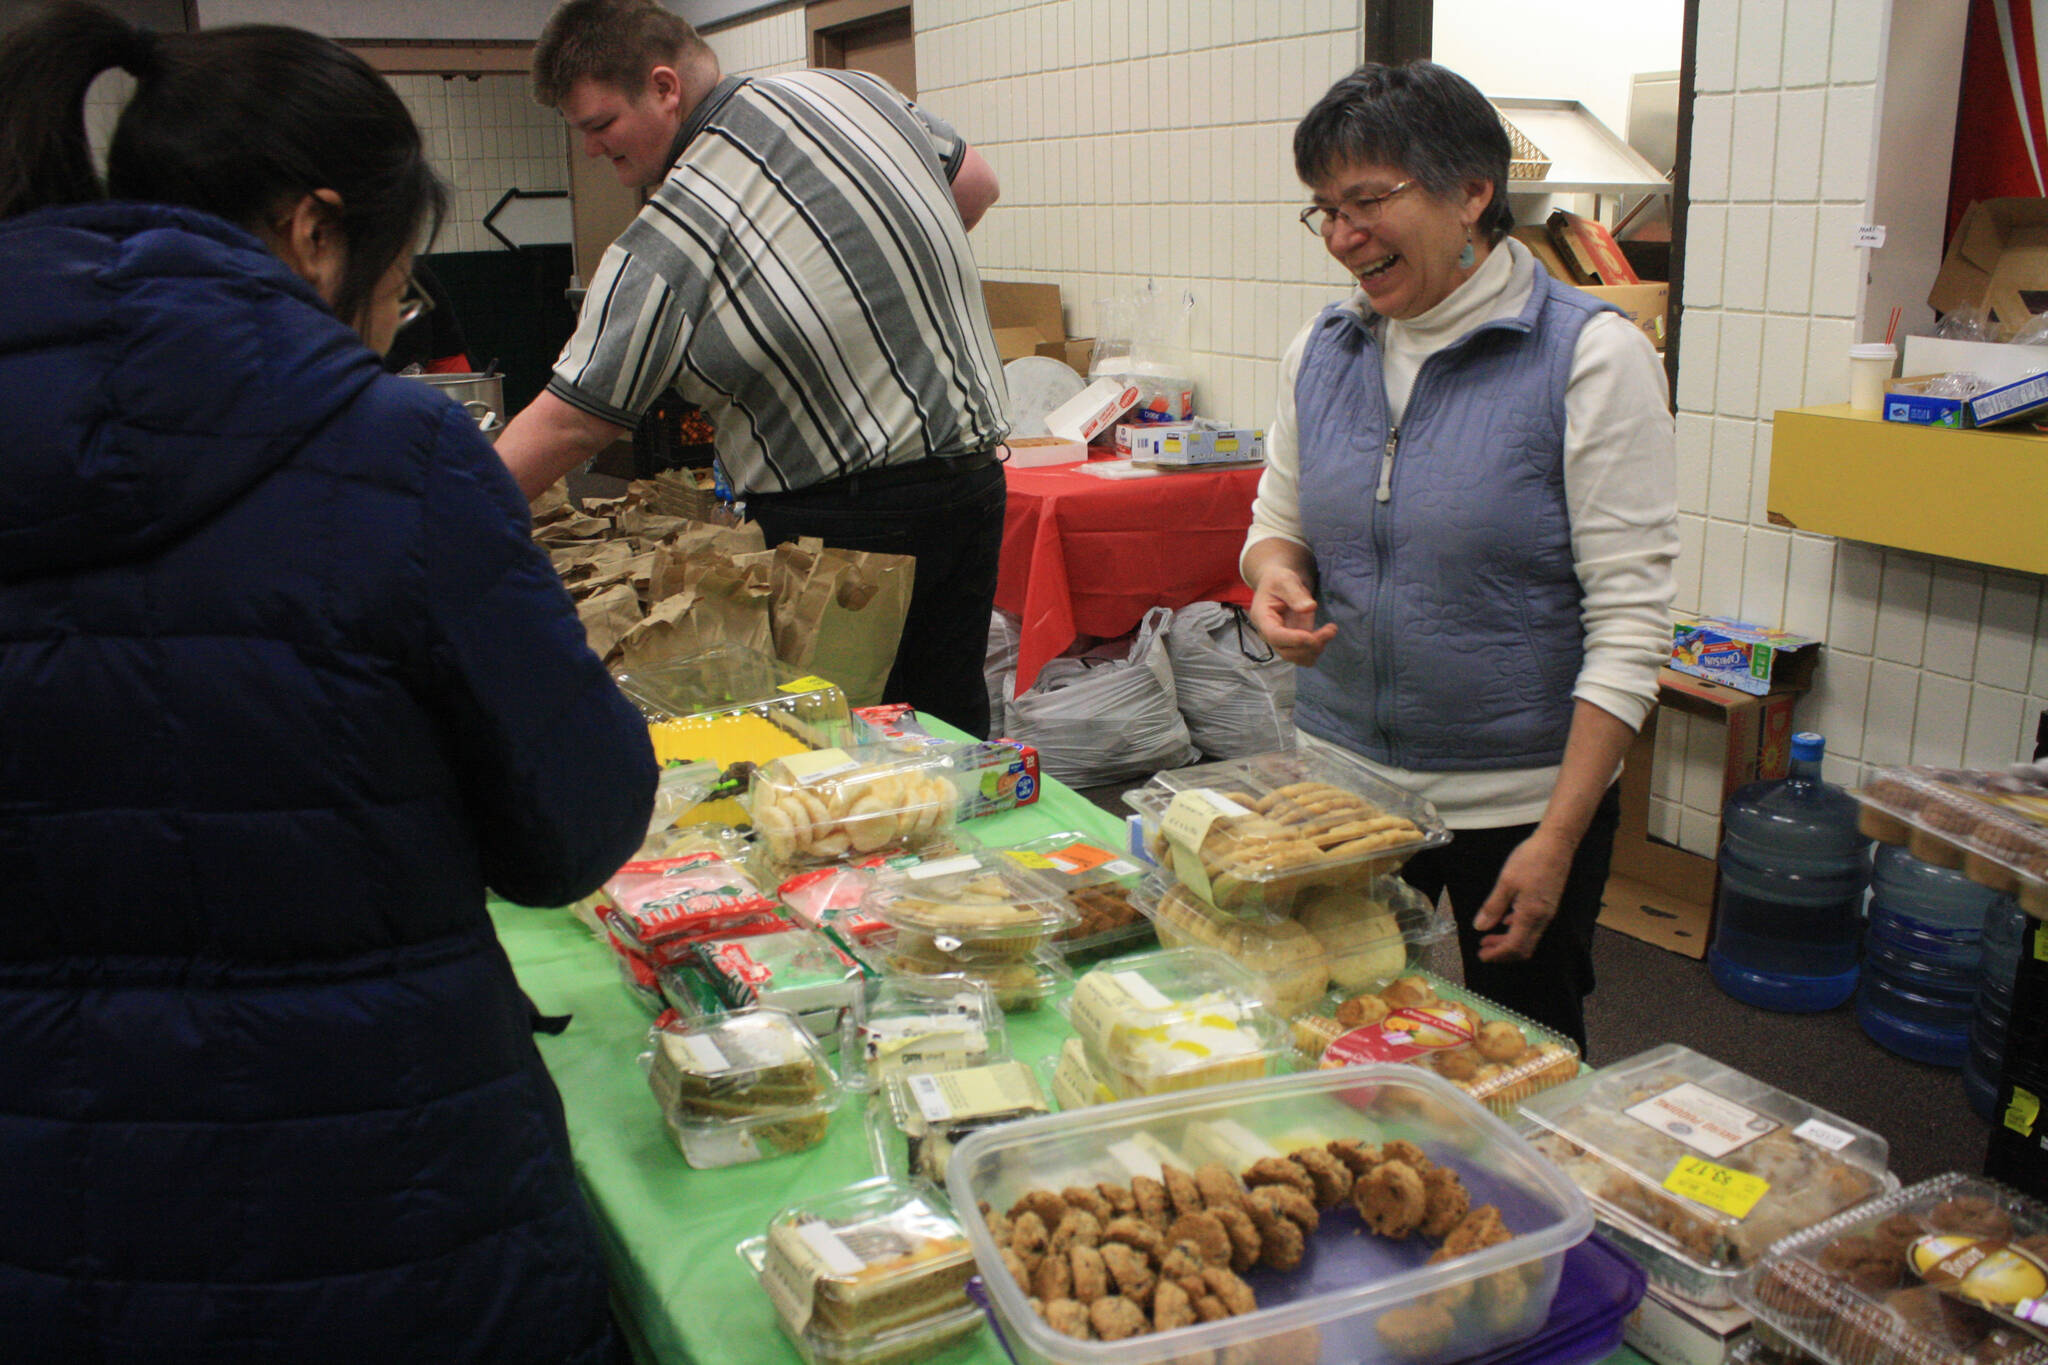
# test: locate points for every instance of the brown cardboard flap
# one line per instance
(1538, 242)
(1012, 342)
(1016, 303)
(1677, 924)
(1644, 305)
(1998, 257)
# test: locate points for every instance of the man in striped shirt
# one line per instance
(801, 271)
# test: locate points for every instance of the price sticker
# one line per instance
(1037, 862)
(818, 765)
(1717, 1187)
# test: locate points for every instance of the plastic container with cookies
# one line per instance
(974, 906)
(1492, 1054)
(1932, 1273)
(1019, 984)
(841, 804)
(1174, 1019)
(1991, 826)
(1252, 834)
(874, 1273)
(1399, 1224)
(1108, 892)
(1695, 1169)
(739, 1087)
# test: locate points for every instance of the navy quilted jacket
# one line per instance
(284, 685)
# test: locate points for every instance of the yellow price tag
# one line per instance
(2023, 1111)
(2040, 933)
(1731, 1192)
(809, 683)
(1037, 861)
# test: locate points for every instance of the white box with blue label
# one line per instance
(1737, 654)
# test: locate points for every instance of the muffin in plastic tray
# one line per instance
(1354, 937)
(730, 681)
(1492, 1054)
(838, 804)
(1108, 892)
(1992, 826)
(1254, 833)
(922, 1023)
(1284, 1248)
(1174, 1019)
(1928, 1275)
(741, 1086)
(917, 1118)
(1695, 1168)
(875, 1272)
(980, 905)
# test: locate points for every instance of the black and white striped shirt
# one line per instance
(803, 274)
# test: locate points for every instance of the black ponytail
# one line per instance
(240, 122)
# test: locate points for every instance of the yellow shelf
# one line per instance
(1980, 496)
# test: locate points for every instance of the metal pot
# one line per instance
(482, 395)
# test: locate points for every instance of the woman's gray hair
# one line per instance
(1425, 119)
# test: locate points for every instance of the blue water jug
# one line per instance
(1921, 957)
(1793, 872)
(2005, 926)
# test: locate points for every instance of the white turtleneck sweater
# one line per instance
(1620, 484)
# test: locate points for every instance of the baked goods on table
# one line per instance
(931, 1112)
(741, 1086)
(662, 906)
(831, 804)
(1990, 825)
(975, 905)
(1930, 1273)
(1174, 1019)
(1107, 892)
(1695, 1169)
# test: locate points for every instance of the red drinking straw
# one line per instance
(1892, 328)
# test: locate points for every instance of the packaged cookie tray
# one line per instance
(1695, 1168)
(1927, 1275)
(839, 804)
(1254, 833)
(1347, 1294)
(1018, 983)
(1992, 826)
(976, 903)
(1108, 891)
(871, 1273)
(1493, 1054)
(725, 683)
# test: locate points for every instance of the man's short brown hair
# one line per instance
(615, 42)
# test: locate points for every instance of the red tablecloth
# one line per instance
(1089, 556)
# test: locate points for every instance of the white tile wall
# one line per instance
(484, 136)
(762, 43)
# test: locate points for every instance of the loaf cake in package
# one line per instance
(741, 1086)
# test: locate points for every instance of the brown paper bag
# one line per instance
(608, 616)
(839, 613)
(724, 599)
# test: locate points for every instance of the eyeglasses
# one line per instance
(1358, 214)
(413, 302)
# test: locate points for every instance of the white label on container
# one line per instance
(1702, 1120)
(944, 867)
(838, 1258)
(931, 1100)
(1122, 868)
(814, 767)
(1143, 992)
(1823, 1135)
(705, 1058)
(1870, 234)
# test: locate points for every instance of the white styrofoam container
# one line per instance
(1995, 361)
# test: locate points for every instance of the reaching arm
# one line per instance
(549, 439)
(974, 187)
(1282, 576)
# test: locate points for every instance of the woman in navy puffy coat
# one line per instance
(284, 686)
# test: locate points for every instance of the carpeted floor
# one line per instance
(1648, 996)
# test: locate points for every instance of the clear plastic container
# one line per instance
(1108, 892)
(795, 969)
(1861, 1288)
(918, 1118)
(741, 1086)
(1492, 1054)
(729, 681)
(1020, 984)
(1920, 958)
(875, 1272)
(1174, 1019)
(973, 905)
(1695, 1168)
(935, 1023)
(1353, 1297)
(1254, 833)
(844, 804)
(1990, 825)
(945, 1338)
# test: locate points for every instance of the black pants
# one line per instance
(954, 526)
(1551, 985)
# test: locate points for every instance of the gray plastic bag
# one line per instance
(1096, 721)
(1235, 693)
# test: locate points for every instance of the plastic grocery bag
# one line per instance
(999, 665)
(1235, 693)
(1096, 721)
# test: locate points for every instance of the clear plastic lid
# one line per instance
(1109, 893)
(1701, 1161)
(923, 1023)
(1493, 1054)
(917, 1341)
(731, 681)
(977, 901)
(795, 969)
(1174, 1019)
(876, 1257)
(847, 803)
(739, 1067)
(1933, 1274)
(918, 1118)
(1990, 825)
(1254, 833)
(693, 896)
(1018, 983)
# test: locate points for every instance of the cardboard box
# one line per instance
(1672, 1332)
(1590, 248)
(1997, 362)
(1997, 261)
(1739, 655)
(2024, 400)
(1030, 452)
(1091, 410)
(1645, 305)
(1547, 256)
(1658, 892)
(1023, 316)
(1196, 445)
(1906, 400)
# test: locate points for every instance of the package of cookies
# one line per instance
(1174, 1019)
(922, 1023)
(1951, 1270)
(1019, 984)
(833, 805)
(1108, 892)
(1492, 1054)
(918, 1118)
(1375, 1216)
(794, 969)
(977, 906)
(742, 1086)
(1255, 833)
(665, 904)
(1991, 826)
(1695, 1169)
(871, 1274)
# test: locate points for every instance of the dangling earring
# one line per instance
(1468, 256)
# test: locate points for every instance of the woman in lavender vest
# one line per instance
(1465, 534)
